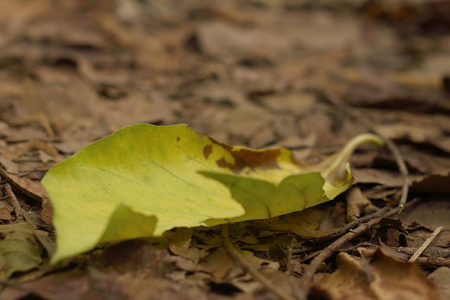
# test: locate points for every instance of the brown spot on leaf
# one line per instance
(207, 151)
(253, 160)
(178, 139)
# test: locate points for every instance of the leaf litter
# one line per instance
(163, 63)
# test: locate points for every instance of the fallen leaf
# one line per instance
(47, 211)
(311, 223)
(70, 285)
(19, 248)
(441, 280)
(47, 242)
(21, 134)
(434, 184)
(220, 264)
(10, 166)
(419, 133)
(29, 187)
(357, 203)
(299, 103)
(144, 179)
(44, 157)
(376, 276)
(180, 244)
(5, 211)
(222, 41)
(383, 177)
(257, 262)
(429, 215)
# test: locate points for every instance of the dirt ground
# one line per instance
(304, 75)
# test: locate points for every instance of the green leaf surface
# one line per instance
(145, 179)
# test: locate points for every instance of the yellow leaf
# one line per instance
(145, 179)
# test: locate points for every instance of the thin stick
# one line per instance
(429, 262)
(290, 267)
(247, 267)
(401, 166)
(5, 197)
(13, 200)
(426, 244)
(347, 227)
(289, 264)
(14, 285)
(347, 109)
(307, 277)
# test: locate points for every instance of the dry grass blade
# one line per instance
(425, 244)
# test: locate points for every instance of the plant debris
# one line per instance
(307, 76)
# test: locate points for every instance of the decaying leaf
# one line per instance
(376, 276)
(441, 280)
(146, 179)
(19, 249)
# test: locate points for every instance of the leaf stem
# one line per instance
(339, 163)
(350, 111)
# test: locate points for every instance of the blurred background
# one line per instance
(254, 72)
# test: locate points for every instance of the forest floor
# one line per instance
(304, 75)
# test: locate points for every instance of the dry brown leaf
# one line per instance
(180, 244)
(441, 280)
(433, 184)
(31, 188)
(418, 133)
(428, 215)
(376, 277)
(219, 264)
(5, 211)
(297, 104)
(379, 176)
(357, 204)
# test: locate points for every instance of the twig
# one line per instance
(289, 265)
(14, 285)
(307, 277)
(309, 256)
(247, 267)
(428, 262)
(5, 197)
(425, 244)
(347, 227)
(347, 109)
(401, 166)
(13, 200)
